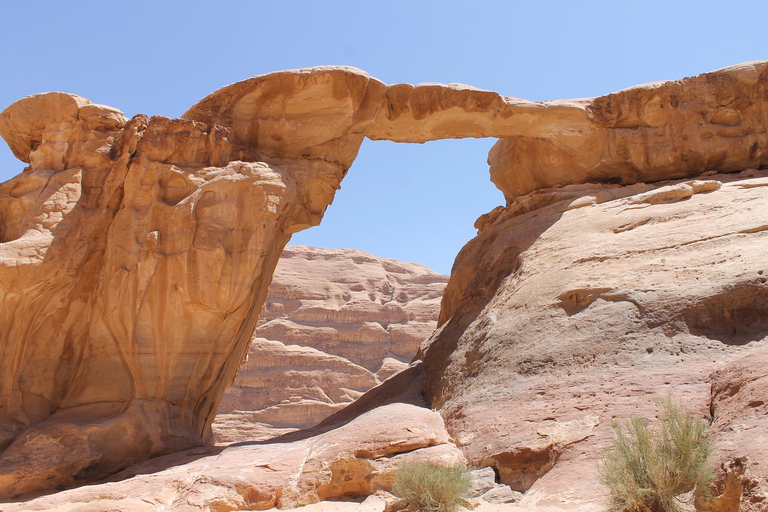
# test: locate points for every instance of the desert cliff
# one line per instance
(336, 322)
(136, 256)
(599, 300)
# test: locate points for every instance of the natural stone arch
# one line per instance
(136, 254)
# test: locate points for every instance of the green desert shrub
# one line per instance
(429, 488)
(649, 466)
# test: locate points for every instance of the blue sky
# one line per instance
(406, 201)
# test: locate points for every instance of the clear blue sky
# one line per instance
(411, 202)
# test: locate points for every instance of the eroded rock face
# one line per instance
(325, 112)
(134, 260)
(740, 414)
(583, 304)
(336, 323)
(352, 304)
(354, 460)
(652, 132)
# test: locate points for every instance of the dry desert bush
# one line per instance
(649, 467)
(430, 488)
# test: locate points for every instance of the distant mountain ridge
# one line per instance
(336, 323)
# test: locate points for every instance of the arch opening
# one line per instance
(353, 298)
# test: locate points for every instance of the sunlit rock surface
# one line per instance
(580, 305)
(135, 256)
(352, 454)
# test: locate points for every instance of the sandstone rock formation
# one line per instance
(740, 413)
(651, 132)
(583, 304)
(282, 388)
(135, 257)
(352, 455)
(336, 323)
(134, 260)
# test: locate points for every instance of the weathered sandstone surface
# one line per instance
(651, 132)
(336, 322)
(583, 304)
(350, 455)
(135, 256)
(740, 414)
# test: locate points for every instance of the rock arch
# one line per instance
(136, 254)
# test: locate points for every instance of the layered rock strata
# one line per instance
(336, 323)
(135, 256)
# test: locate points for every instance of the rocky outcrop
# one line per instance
(652, 132)
(740, 422)
(282, 388)
(583, 304)
(325, 112)
(351, 304)
(135, 256)
(336, 323)
(349, 456)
